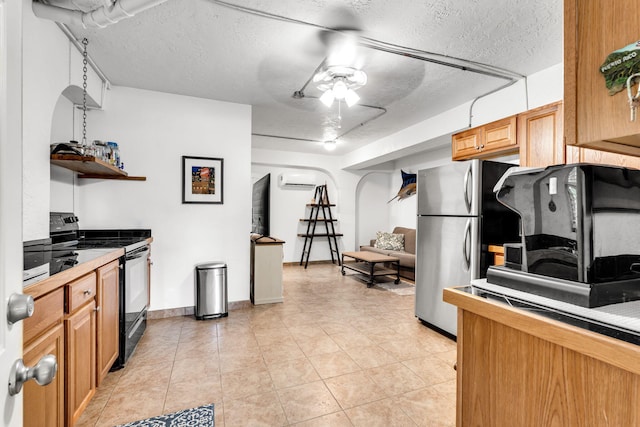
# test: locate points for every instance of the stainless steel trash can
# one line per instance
(211, 290)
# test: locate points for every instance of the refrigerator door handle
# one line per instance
(467, 200)
(465, 254)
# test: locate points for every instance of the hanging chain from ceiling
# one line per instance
(85, 42)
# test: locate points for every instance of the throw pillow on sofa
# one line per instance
(389, 241)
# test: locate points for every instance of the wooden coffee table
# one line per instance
(366, 264)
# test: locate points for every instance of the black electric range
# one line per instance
(64, 231)
(42, 259)
(69, 246)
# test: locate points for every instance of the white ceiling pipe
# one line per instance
(99, 18)
(81, 5)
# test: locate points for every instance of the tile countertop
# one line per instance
(88, 260)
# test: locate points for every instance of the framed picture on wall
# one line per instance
(202, 180)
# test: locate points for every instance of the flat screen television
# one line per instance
(261, 194)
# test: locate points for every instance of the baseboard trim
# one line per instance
(189, 311)
(296, 263)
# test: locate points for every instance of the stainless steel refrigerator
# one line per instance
(458, 217)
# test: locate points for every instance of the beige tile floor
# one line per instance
(335, 353)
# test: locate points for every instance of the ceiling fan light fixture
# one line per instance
(330, 145)
(327, 98)
(340, 89)
(351, 97)
(340, 82)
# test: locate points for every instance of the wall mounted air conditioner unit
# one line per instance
(297, 180)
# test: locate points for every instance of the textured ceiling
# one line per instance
(204, 49)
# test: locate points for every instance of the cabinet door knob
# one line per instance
(87, 292)
(97, 308)
(43, 373)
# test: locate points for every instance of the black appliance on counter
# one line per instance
(69, 246)
(580, 227)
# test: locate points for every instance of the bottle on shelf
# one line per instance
(115, 154)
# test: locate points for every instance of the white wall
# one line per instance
(62, 180)
(48, 61)
(372, 209)
(153, 131)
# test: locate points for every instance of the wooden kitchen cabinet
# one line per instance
(464, 145)
(80, 349)
(43, 334)
(65, 324)
(588, 155)
(107, 322)
(44, 405)
(540, 136)
(265, 276)
(491, 140)
(592, 30)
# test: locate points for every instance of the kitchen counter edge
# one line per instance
(60, 279)
(601, 347)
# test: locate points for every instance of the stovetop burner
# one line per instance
(65, 231)
(43, 260)
(69, 246)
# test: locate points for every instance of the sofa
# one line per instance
(407, 255)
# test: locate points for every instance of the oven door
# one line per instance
(136, 285)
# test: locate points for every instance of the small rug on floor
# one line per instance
(202, 416)
(401, 288)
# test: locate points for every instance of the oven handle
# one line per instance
(138, 253)
(135, 327)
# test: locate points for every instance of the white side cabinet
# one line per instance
(266, 269)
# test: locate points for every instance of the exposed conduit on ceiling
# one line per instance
(78, 45)
(381, 111)
(97, 18)
(511, 83)
(419, 54)
(423, 55)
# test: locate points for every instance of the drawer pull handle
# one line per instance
(87, 292)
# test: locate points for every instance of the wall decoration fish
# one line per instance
(408, 187)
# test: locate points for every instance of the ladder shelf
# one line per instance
(327, 219)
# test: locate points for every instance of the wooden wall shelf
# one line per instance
(91, 167)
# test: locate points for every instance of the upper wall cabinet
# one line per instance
(540, 136)
(588, 155)
(491, 140)
(593, 118)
